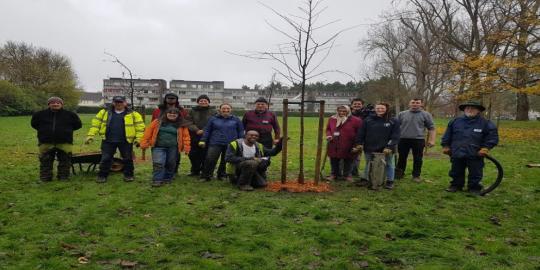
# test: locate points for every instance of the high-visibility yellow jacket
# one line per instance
(133, 122)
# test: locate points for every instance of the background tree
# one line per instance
(39, 72)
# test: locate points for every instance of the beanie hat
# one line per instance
(261, 99)
(203, 96)
(55, 99)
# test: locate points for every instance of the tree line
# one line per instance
(29, 75)
(447, 51)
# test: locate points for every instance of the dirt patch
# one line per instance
(294, 186)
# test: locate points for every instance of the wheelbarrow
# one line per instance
(92, 159)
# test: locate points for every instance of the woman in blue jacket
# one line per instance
(379, 133)
(220, 130)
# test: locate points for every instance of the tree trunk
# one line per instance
(522, 108)
(301, 166)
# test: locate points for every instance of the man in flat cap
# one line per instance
(55, 127)
(467, 140)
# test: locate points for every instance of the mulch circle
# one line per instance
(290, 186)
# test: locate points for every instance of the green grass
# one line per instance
(416, 226)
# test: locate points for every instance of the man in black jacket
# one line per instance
(55, 128)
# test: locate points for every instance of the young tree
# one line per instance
(302, 53)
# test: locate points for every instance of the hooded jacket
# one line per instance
(378, 133)
(151, 134)
(199, 117)
(55, 126)
(133, 122)
(157, 113)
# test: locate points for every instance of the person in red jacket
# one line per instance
(169, 101)
(340, 134)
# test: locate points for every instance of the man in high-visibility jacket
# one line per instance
(119, 127)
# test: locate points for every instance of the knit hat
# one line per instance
(261, 99)
(203, 96)
(55, 99)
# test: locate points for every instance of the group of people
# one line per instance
(244, 146)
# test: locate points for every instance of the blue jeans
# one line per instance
(390, 166)
(164, 163)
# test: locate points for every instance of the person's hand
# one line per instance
(202, 144)
(446, 150)
(387, 151)
(137, 144)
(357, 149)
(483, 151)
(200, 132)
(88, 140)
(328, 138)
(430, 144)
(276, 141)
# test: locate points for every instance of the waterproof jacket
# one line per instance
(222, 130)
(152, 131)
(55, 126)
(234, 154)
(377, 133)
(133, 122)
(199, 117)
(342, 137)
(466, 135)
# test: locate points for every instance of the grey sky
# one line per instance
(176, 39)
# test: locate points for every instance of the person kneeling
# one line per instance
(247, 161)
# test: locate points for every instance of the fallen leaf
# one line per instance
(67, 246)
(219, 225)
(147, 215)
(210, 255)
(495, 220)
(128, 264)
(389, 237)
(83, 260)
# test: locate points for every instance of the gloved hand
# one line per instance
(88, 140)
(446, 150)
(387, 151)
(357, 149)
(328, 138)
(483, 151)
(202, 144)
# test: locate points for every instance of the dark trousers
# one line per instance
(251, 172)
(475, 167)
(196, 155)
(46, 160)
(356, 165)
(108, 149)
(417, 147)
(212, 156)
(266, 140)
(336, 168)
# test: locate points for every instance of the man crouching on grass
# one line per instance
(467, 141)
(247, 161)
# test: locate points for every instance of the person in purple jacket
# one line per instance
(263, 121)
(220, 130)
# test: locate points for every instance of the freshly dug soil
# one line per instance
(294, 186)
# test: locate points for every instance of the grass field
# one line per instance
(191, 225)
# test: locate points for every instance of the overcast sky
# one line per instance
(178, 39)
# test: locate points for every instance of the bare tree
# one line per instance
(131, 91)
(303, 52)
